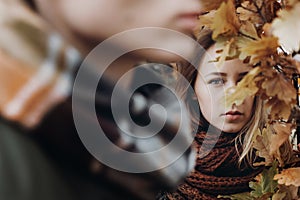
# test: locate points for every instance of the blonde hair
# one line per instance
(246, 134)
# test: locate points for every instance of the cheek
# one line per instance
(248, 106)
(206, 101)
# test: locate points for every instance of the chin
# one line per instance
(231, 128)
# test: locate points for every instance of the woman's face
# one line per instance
(97, 20)
(211, 85)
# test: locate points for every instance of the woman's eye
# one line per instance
(216, 81)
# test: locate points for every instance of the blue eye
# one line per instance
(216, 81)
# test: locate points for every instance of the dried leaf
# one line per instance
(282, 132)
(249, 30)
(290, 176)
(245, 88)
(262, 145)
(226, 22)
(242, 42)
(279, 110)
(288, 21)
(279, 86)
(248, 12)
(286, 193)
(279, 196)
(260, 49)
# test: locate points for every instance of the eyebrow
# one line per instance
(242, 74)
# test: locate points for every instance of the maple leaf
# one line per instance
(287, 21)
(290, 176)
(225, 22)
(245, 88)
(265, 186)
(259, 49)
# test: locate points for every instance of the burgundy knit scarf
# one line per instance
(217, 173)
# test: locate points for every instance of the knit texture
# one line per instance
(217, 173)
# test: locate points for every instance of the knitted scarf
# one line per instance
(217, 173)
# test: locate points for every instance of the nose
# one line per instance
(231, 86)
(231, 90)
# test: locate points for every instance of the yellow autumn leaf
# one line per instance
(245, 88)
(226, 22)
(259, 49)
(242, 41)
(287, 28)
(290, 176)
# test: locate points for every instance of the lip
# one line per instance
(233, 115)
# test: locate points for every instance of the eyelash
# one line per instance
(216, 81)
(220, 81)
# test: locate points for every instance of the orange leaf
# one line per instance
(290, 176)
